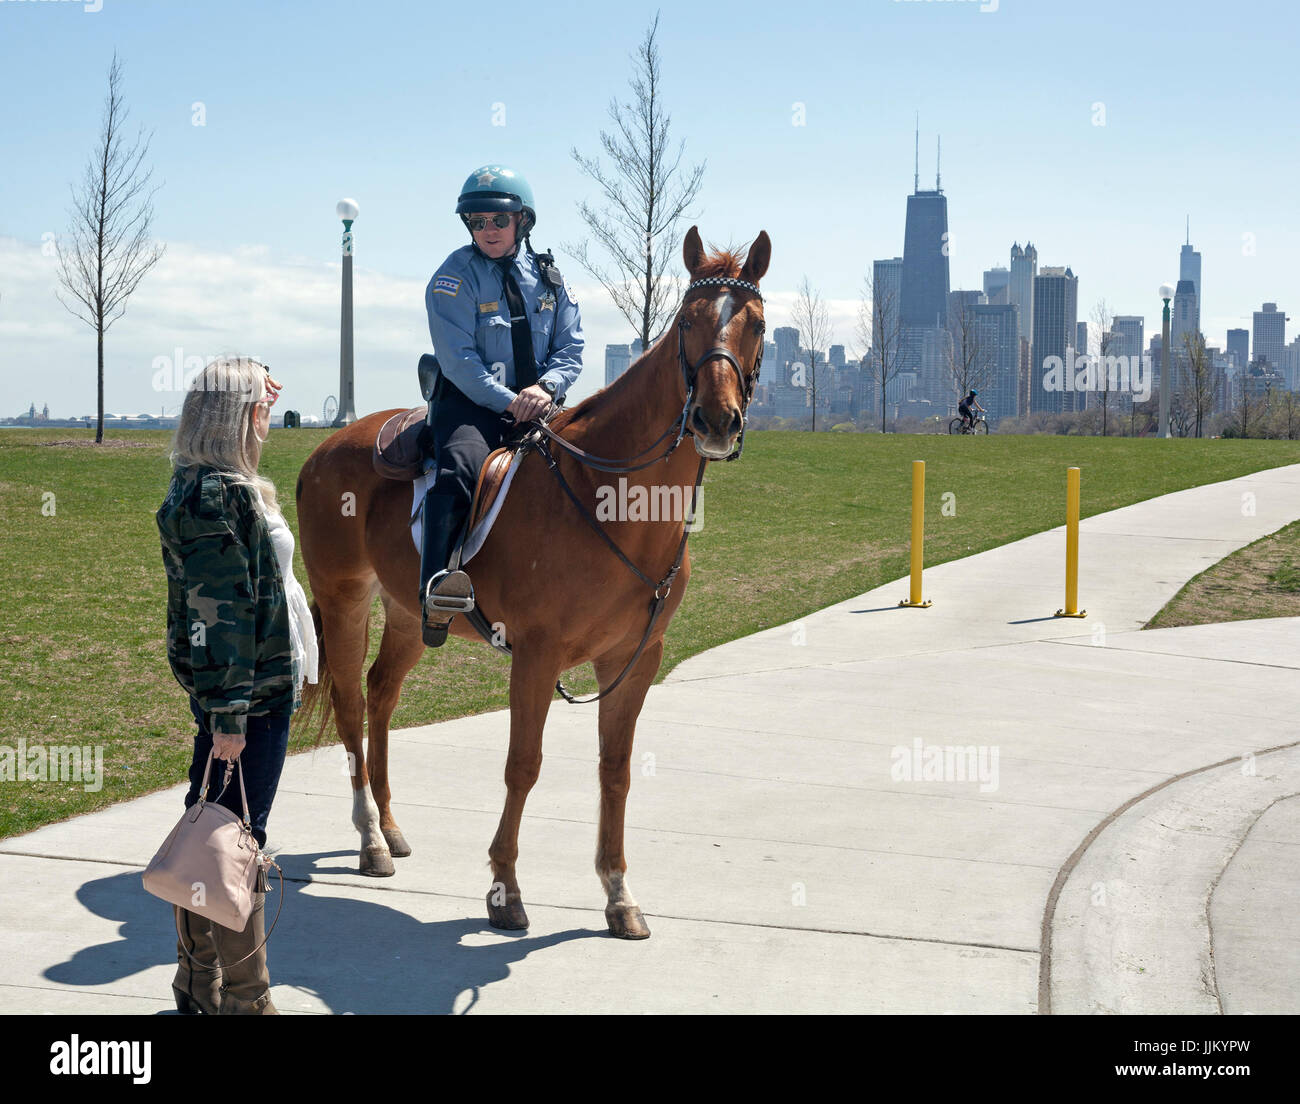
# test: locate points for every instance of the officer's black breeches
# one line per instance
(463, 435)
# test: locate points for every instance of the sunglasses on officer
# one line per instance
(500, 220)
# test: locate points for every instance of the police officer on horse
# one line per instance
(508, 339)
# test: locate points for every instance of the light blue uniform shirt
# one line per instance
(469, 322)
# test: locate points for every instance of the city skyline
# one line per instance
(1095, 175)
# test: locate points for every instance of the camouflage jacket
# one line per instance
(228, 637)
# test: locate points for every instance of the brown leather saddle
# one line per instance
(399, 454)
(399, 448)
(490, 477)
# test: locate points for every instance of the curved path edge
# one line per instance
(1127, 924)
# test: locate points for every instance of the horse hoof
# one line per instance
(626, 922)
(377, 863)
(397, 845)
(509, 916)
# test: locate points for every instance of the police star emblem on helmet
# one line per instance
(486, 177)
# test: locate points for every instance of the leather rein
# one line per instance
(542, 436)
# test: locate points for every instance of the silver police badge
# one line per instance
(546, 302)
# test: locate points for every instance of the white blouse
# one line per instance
(302, 633)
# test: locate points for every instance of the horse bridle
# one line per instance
(690, 372)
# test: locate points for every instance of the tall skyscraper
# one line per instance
(1024, 267)
(1087, 338)
(835, 356)
(997, 285)
(1056, 315)
(995, 329)
(887, 286)
(923, 306)
(787, 352)
(1185, 318)
(1269, 338)
(1291, 365)
(1127, 339)
(771, 371)
(1239, 347)
(1184, 325)
(925, 261)
(1189, 264)
(960, 303)
(617, 360)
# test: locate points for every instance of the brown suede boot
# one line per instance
(246, 986)
(197, 991)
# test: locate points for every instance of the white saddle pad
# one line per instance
(479, 534)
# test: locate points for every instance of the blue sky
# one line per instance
(392, 103)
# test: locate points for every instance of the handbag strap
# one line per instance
(243, 793)
(221, 965)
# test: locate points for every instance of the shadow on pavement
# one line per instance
(355, 956)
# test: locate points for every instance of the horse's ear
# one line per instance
(692, 250)
(760, 254)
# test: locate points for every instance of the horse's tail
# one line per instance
(317, 695)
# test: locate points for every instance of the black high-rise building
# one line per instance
(923, 295)
(925, 261)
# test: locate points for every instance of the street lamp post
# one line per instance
(1166, 293)
(347, 210)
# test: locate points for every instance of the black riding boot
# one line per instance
(443, 593)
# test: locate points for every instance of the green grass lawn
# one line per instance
(1260, 580)
(801, 522)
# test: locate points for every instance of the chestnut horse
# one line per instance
(545, 571)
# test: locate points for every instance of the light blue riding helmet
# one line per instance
(497, 188)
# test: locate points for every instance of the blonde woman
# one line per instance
(240, 642)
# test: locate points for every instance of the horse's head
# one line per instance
(720, 340)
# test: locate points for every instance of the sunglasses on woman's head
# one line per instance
(500, 220)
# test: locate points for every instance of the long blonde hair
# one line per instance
(216, 426)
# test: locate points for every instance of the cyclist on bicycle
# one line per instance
(966, 409)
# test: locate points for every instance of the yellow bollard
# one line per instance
(1072, 547)
(918, 534)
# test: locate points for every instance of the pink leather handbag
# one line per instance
(210, 863)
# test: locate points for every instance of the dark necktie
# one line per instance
(521, 334)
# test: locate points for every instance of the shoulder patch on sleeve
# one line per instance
(447, 285)
(568, 290)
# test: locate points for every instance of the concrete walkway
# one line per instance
(1114, 829)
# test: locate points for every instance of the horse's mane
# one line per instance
(721, 262)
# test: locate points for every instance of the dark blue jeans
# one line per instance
(266, 742)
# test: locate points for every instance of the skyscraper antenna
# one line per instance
(916, 174)
(1189, 229)
(938, 153)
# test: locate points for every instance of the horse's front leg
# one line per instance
(618, 715)
(532, 684)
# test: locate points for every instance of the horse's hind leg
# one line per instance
(532, 685)
(345, 617)
(618, 715)
(400, 649)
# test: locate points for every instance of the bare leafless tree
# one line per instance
(1198, 380)
(111, 248)
(1242, 420)
(813, 321)
(970, 365)
(646, 192)
(881, 333)
(1104, 317)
